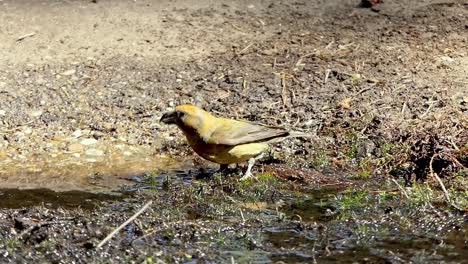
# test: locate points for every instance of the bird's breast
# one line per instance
(224, 154)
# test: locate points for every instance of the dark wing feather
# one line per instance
(233, 132)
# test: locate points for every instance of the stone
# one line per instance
(35, 113)
(75, 147)
(27, 130)
(88, 141)
(3, 155)
(68, 73)
(94, 152)
(77, 133)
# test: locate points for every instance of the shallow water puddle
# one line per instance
(66, 175)
(323, 232)
(316, 207)
(71, 183)
(15, 198)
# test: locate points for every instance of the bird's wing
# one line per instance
(233, 132)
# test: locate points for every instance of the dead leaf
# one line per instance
(345, 103)
(255, 206)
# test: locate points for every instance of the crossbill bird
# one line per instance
(225, 141)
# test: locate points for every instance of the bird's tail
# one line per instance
(289, 135)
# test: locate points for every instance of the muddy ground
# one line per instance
(382, 91)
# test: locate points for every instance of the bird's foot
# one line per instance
(223, 168)
(247, 175)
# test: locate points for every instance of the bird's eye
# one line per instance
(180, 115)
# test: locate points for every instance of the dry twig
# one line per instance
(108, 237)
(244, 49)
(242, 215)
(25, 36)
(435, 176)
(403, 191)
(327, 74)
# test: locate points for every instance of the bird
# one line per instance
(225, 141)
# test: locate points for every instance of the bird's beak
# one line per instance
(169, 118)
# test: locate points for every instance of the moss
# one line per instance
(361, 175)
(385, 196)
(365, 175)
(352, 200)
(421, 195)
(320, 159)
(267, 177)
(150, 180)
(260, 188)
(352, 152)
(167, 183)
(47, 245)
(387, 149)
(12, 244)
(260, 179)
(356, 79)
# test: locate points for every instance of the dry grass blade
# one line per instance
(284, 91)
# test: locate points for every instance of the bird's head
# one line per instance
(185, 116)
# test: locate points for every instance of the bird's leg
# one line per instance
(223, 168)
(248, 173)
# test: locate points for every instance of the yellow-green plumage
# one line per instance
(223, 140)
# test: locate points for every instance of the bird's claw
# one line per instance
(247, 175)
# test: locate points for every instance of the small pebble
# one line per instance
(75, 147)
(94, 152)
(35, 113)
(88, 141)
(68, 73)
(77, 133)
